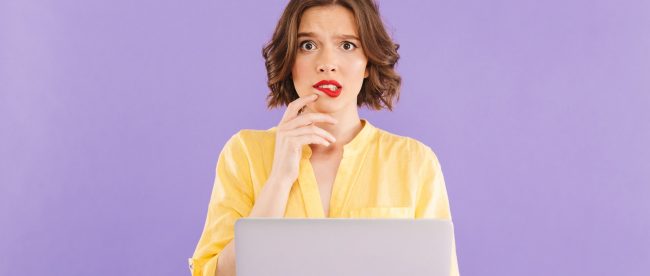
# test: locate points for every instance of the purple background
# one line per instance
(113, 113)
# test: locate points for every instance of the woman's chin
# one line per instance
(325, 107)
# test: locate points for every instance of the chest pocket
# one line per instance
(383, 212)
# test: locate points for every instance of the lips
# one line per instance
(326, 86)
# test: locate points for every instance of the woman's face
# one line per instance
(329, 49)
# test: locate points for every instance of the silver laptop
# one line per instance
(378, 247)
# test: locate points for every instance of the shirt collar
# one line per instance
(356, 145)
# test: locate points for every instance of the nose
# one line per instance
(326, 67)
(326, 61)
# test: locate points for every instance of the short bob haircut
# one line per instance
(382, 84)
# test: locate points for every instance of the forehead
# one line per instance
(328, 20)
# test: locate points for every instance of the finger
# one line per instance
(311, 139)
(295, 106)
(309, 118)
(312, 129)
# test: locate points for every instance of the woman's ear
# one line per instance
(365, 73)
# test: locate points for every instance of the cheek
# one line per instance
(299, 68)
(358, 65)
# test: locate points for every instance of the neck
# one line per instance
(348, 126)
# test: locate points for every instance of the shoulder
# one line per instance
(252, 140)
(248, 136)
(406, 148)
(405, 143)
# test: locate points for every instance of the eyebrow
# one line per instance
(342, 36)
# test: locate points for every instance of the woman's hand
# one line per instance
(294, 131)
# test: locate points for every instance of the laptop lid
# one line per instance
(333, 246)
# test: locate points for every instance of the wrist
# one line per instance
(279, 181)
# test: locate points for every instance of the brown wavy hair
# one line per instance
(382, 84)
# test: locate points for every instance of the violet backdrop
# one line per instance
(113, 113)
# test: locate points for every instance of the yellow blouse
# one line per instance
(381, 175)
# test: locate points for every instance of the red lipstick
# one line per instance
(326, 86)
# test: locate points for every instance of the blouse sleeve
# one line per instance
(231, 199)
(432, 200)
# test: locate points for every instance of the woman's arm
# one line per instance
(271, 202)
(233, 195)
(433, 201)
(226, 261)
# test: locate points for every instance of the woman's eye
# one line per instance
(348, 46)
(307, 45)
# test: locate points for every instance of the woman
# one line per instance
(326, 59)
